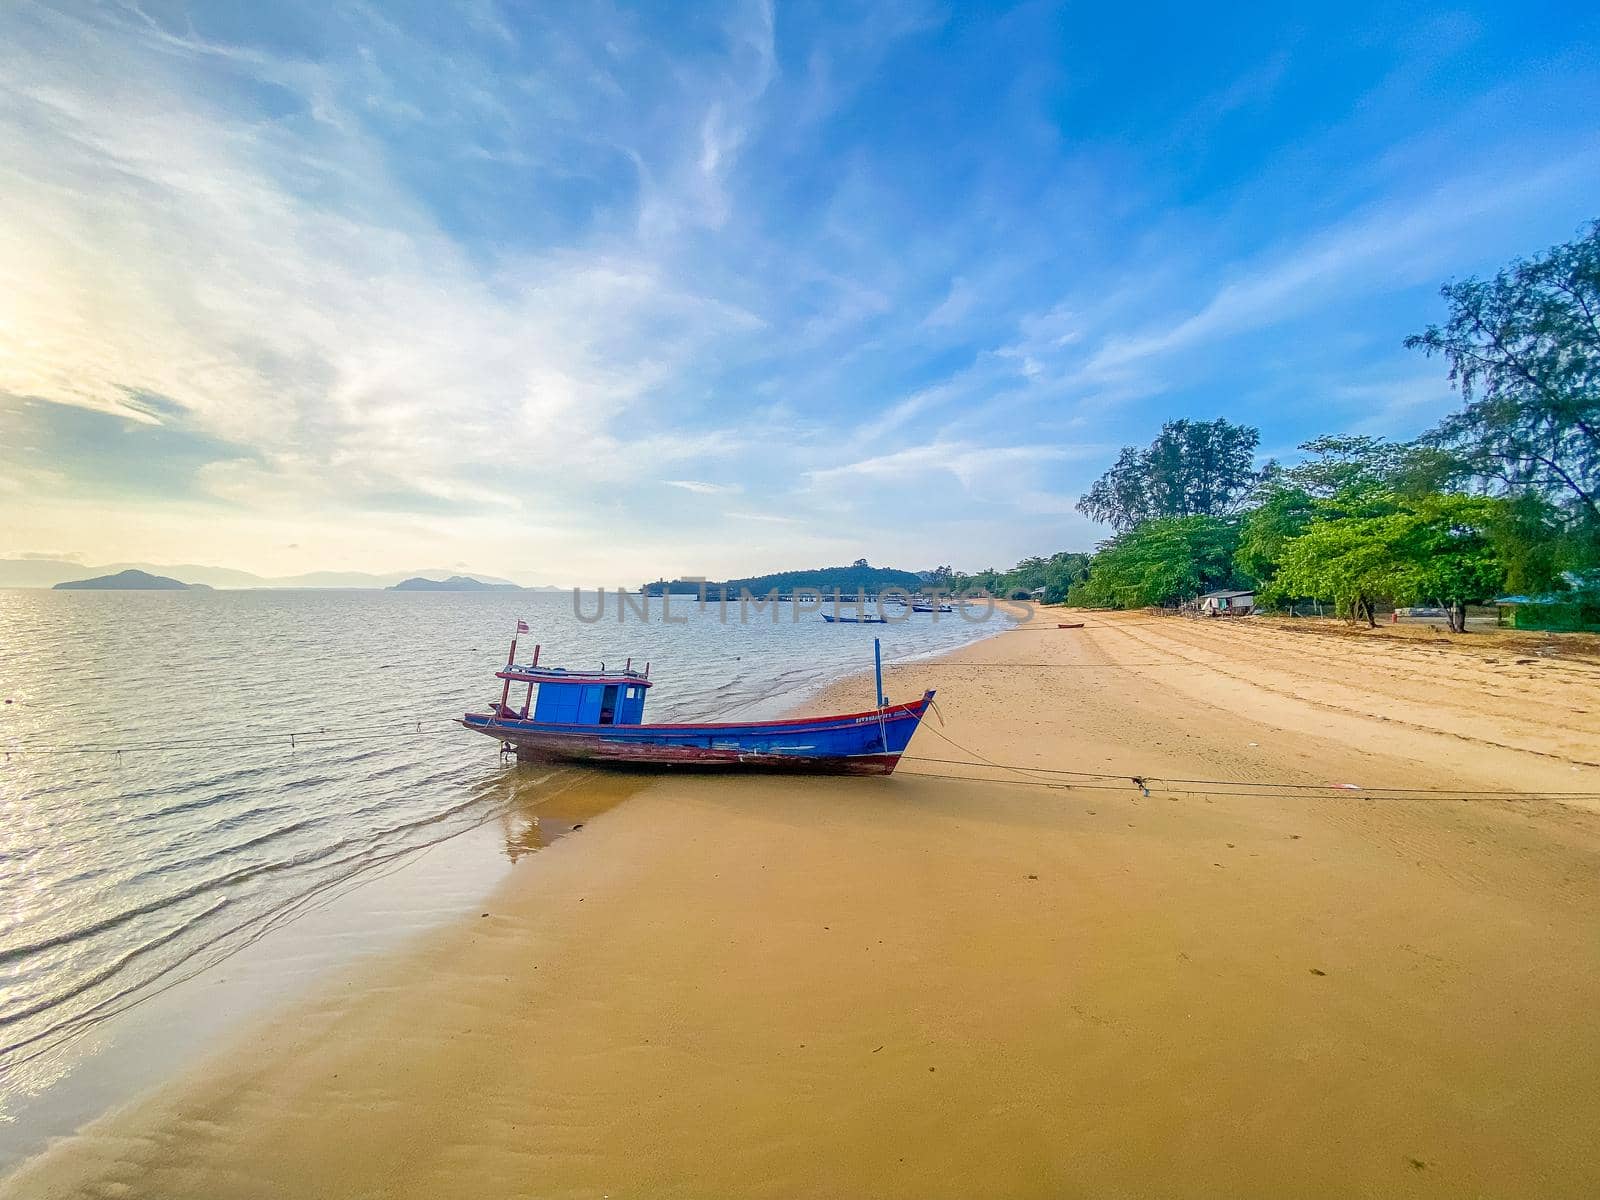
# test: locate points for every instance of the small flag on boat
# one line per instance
(522, 627)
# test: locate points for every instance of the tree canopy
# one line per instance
(1054, 574)
(1437, 549)
(1268, 528)
(1192, 468)
(1160, 562)
(1524, 351)
(858, 577)
(1340, 462)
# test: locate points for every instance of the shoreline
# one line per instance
(179, 1027)
(935, 984)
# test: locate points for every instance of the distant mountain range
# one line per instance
(47, 572)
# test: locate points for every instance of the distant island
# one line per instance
(456, 583)
(130, 581)
(858, 577)
(44, 571)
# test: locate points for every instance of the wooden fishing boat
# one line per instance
(598, 717)
(864, 619)
(928, 608)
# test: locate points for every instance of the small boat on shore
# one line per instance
(598, 717)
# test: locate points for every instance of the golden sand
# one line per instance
(933, 986)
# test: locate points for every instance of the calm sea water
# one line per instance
(279, 749)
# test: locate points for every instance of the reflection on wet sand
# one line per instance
(545, 805)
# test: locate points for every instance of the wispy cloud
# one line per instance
(955, 306)
(477, 280)
(355, 339)
(1391, 246)
(769, 518)
(702, 488)
(968, 463)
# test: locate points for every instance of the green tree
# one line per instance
(1437, 549)
(1536, 544)
(1193, 468)
(987, 580)
(1337, 463)
(1024, 578)
(1524, 351)
(1159, 562)
(1061, 572)
(1343, 477)
(1055, 575)
(1283, 515)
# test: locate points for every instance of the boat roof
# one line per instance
(562, 675)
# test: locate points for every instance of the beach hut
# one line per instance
(1570, 611)
(1227, 603)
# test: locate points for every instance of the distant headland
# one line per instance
(130, 581)
(456, 583)
(858, 577)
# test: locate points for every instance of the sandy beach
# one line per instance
(966, 981)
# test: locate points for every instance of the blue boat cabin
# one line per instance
(585, 703)
(574, 697)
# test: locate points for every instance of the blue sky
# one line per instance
(592, 293)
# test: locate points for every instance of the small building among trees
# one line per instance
(1227, 603)
(1577, 608)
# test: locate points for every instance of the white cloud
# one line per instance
(1393, 406)
(702, 488)
(693, 187)
(955, 306)
(912, 406)
(971, 464)
(287, 294)
(769, 518)
(1383, 249)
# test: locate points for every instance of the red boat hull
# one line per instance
(694, 758)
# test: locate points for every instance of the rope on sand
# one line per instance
(1062, 778)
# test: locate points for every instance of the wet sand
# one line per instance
(939, 985)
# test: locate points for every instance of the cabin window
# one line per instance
(608, 705)
(634, 692)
